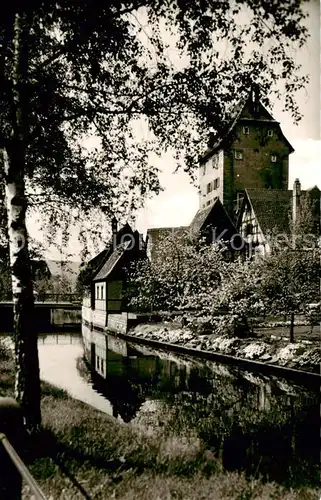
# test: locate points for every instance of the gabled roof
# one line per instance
(242, 112)
(161, 232)
(212, 222)
(112, 261)
(200, 217)
(97, 262)
(156, 234)
(272, 209)
(216, 217)
(227, 130)
(314, 189)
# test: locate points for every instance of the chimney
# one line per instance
(296, 201)
(114, 231)
(211, 140)
(255, 97)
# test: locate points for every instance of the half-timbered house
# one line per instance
(267, 216)
(105, 303)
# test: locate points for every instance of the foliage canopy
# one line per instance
(109, 83)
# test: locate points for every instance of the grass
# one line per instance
(83, 453)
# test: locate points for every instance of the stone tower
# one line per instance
(252, 153)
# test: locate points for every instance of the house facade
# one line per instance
(106, 302)
(267, 217)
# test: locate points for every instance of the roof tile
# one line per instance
(272, 208)
(112, 261)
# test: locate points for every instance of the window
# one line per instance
(217, 183)
(102, 292)
(246, 130)
(249, 229)
(238, 155)
(215, 161)
(274, 158)
(209, 187)
(209, 202)
(203, 169)
(97, 292)
(270, 133)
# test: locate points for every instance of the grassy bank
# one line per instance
(83, 453)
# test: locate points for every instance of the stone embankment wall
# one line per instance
(302, 355)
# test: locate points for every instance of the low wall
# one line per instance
(65, 318)
(117, 345)
(99, 318)
(86, 313)
(117, 322)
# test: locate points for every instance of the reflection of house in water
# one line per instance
(129, 374)
(251, 421)
(127, 377)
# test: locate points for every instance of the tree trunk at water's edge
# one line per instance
(27, 381)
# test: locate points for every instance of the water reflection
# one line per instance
(59, 339)
(254, 423)
(58, 355)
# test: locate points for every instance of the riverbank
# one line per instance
(84, 453)
(267, 346)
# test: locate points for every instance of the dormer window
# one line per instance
(274, 158)
(246, 130)
(238, 155)
(215, 161)
(270, 133)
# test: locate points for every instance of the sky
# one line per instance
(178, 203)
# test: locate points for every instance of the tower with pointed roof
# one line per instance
(252, 153)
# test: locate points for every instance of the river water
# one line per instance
(263, 425)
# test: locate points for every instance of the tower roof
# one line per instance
(247, 111)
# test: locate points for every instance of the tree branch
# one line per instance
(77, 41)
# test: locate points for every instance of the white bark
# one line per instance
(27, 384)
(17, 237)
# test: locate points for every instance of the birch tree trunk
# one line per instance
(27, 381)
